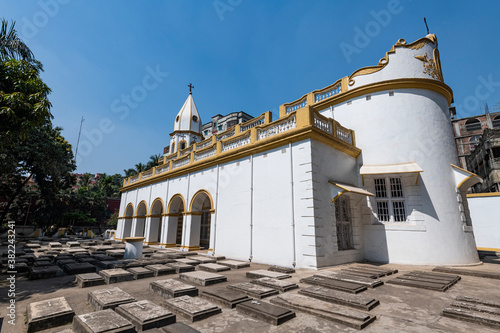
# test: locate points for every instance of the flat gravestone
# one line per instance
(110, 264)
(116, 253)
(49, 313)
(77, 250)
(33, 246)
(269, 313)
(188, 261)
(103, 299)
(179, 328)
(44, 272)
(42, 263)
(191, 308)
(225, 297)
(73, 244)
(102, 257)
(202, 278)
(275, 284)
(280, 269)
(203, 260)
(89, 260)
(340, 297)
(171, 288)
(159, 270)
(79, 268)
(371, 283)
(325, 310)
(89, 280)
(102, 321)
(145, 315)
(55, 245)
(116, 275)
(213, 268)
(349, 287)
(181, 268)
(265, 273)
(253, 290)
(141, 272)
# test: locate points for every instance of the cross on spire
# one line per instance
(190, 87)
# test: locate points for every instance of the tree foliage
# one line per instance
(11, 46)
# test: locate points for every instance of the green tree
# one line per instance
(11, 46)
(153, 161)
(139, 167)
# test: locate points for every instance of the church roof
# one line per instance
(188, 118)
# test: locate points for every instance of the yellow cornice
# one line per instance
(477, 195)
(412, 83)
(299, 134)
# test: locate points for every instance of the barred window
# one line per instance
(390, 201)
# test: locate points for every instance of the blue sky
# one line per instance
(125, 65)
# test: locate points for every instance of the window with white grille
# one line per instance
(390, 200)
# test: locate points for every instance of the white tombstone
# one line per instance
(133, 247)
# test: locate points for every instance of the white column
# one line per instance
(169, 232)
(134, 227)
(192, 237)
(147, 229)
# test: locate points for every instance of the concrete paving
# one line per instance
(401, 308)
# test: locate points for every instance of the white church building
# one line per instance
(362, 169)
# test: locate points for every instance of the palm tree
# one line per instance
(129, 172)
(153, 161)
(11, 46)
(139, 167)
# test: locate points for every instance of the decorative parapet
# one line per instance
(294, 106)
(329, 91)
(247, 138)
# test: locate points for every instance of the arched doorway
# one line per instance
(127, 221)
(155, 224)
(175, 214)
(201, 209)
(140, 222)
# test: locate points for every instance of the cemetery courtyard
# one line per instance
(59, 281)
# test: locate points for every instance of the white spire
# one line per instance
(188, 118)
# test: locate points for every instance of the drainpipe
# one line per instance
(251, 209)
(293, 206)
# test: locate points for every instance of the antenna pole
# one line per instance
(425, 21)
(79, 133)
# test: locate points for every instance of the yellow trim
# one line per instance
(211, 250)
(338, 195)
(193, 213)
(151, 243)
(467, 178)
(177, 195)
(198, 193)
(153, 204)
(133, 239)
(118, 239)
(488, 249)
(459, 168)
(190, 248)
(154, 215)
(489, 194)
(185, 145)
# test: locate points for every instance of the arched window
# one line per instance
(173, 147)
(182, 145)
(496, 122)
(472, 125)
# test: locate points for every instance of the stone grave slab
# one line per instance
(225, 297)
(63, 256)
(73, 244)
(284, 270)
(349, 287)
(102, 257)
(116, 275)
(118, 245)
(175, 255)
(362, 273)
(265, 273)
(181, 268)
(203, 260)
(376, 269)
(49, 313)
(213, 268)
(102, 321)
(89, 260)
(213, 256)
(426, 280)
(89, 280)
(110, 298)
(55, 245)
(179, 328)
(189, 253)
(336, 313)
(75, 250)
(44, 272)
(159, 270)
(116, 253)
(340, 297)
(145, 315)
(371, 283)
(478, 311)
(171, 288)
(188, 261)
(279, 285)
(33, 245)
(21, 267)
(100, 248)
(42, 263)
(202, 278)
(464, 271)
(253, 290)
(140, 272)
(79, 268)
(192, 308)
(270, 313)
(63, 262)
